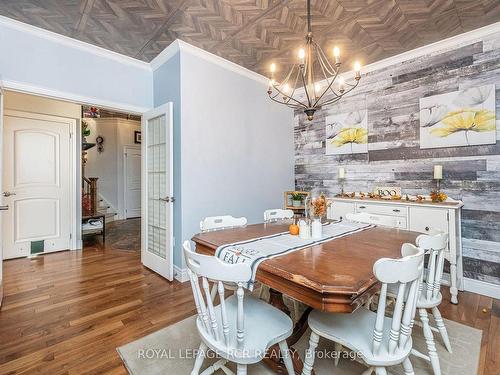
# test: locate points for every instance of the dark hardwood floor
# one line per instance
(67, 312)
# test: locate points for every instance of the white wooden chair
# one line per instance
(430, 296)
(241, 328)
(213, 223)
(277, 214)
(379, 340)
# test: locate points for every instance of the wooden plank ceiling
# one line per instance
(253, 33)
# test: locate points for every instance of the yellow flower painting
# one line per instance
(347, 133)
(460, 118)
(467, 120)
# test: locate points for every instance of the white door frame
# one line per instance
(124, 182)
(43, 92)
(75, 187)
(156, 112)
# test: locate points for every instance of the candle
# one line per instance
(341, 173)
(438, 172)
(336, 53)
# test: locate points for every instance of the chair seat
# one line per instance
(423, 302)
(265, 326)
(355, 331)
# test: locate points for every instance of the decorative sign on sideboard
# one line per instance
(388, 191)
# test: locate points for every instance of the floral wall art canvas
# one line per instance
(459, 118)
(347, 133)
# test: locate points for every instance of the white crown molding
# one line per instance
(73, 43)
(181, 274)
(179, 45)
(481, 287)
(229, 65)
(165, 55)
(69, 97)
(440, 46)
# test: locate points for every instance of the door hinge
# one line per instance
(70, 236)
(70, 135)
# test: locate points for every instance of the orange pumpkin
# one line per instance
(294, 229)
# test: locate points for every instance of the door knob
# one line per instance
(4, 208)
(8, 193)
(166, 199)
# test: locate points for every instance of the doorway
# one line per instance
(111, 173)
(132, 181)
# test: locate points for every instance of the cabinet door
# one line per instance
(338, 210)
(423, 219)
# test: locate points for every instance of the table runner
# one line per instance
(257, 250)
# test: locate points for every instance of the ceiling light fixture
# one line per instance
(311, 58)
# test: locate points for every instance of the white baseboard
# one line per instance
(180, 274)
(481, 287)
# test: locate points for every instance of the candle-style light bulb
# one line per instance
(357, 69)
(272, 67)
(336, 53)
(302, 55)
(286, 88)
(341, 84)
(317, 88)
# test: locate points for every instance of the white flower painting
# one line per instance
(459, 118)
(347, 133)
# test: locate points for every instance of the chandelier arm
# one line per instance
(328, 88)
(295, 84)
(324, 61)
(282, 102)
(288, 96)
(331, 101)
(327, 80)
(305, 90)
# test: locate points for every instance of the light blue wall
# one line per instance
(33, 60)
(237, 145)
(167, 88)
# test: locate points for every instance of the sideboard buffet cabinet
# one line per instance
(415, 216)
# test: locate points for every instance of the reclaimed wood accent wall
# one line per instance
(391, 96)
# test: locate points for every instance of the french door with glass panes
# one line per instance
(157, 190)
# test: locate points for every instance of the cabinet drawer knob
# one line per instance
(362, 206)
(396, 210)
(426, 229)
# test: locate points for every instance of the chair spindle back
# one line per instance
(211, 268)
(406, 273)
(435, 245)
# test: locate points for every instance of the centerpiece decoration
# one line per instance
(317, 207)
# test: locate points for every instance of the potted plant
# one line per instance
(297, 199)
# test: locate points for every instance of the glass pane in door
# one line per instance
(157, 186)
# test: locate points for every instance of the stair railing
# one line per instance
(89, 196)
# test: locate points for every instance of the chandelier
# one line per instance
(311, 59)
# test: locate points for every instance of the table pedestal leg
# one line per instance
(273, 360)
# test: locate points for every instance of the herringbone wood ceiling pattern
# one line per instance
(254, 32)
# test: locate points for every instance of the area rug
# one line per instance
(170, 351)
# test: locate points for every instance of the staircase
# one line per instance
(105, 208)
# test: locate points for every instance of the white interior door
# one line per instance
(157, 189)
(36, 183)
(132, 177)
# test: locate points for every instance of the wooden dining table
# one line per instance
(334, 276)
